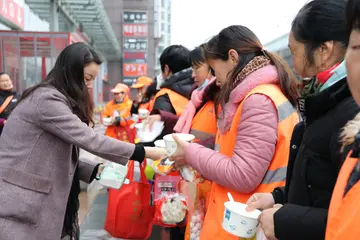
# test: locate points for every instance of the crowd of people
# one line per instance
(287, 144)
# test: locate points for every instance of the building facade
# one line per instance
(162, 29)
(133, 24)
(280, 46)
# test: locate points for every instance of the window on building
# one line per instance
(163, 27)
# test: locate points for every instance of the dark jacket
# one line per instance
(6, 113)
(314, 163)
(180, 82)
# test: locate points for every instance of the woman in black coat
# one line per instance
(318, 43)
(8, 98)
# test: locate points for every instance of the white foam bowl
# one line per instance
(135, 117)
(144, 134)
(170, 143)
(107, 121)
(143, 113)
(160, 143)
(237, 221)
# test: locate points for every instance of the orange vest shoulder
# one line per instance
(177, 100)
(206, 115)
(344, 211)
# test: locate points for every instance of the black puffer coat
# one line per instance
(314, 163)
(180, 82)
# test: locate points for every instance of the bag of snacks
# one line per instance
(172, 209)
(163, 166)
(196, 212)
(170, 205)
(189, 174)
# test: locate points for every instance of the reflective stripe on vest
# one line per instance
(276, 173)
(344, 211)
(203, 125)
(178, 101)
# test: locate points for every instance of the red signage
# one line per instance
(134, 69)
(135, 30)
(13, 11)
(134, 55)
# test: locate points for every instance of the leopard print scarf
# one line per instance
(255, 64)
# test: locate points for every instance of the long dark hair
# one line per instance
(320, 21)
(352, 14)
(67, 77)
(248, 46)
(197, 57)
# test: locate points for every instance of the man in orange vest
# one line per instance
(176, 88)
(142, 101)
(175, 84)
(118, 109)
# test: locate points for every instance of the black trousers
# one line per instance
(177, 233)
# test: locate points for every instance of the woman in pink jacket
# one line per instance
(241, 65)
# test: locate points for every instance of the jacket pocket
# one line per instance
(22, 195)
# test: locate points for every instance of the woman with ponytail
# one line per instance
(255, 110)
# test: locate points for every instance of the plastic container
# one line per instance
(144, 134)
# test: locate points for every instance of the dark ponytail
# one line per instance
(248, 46)
(287, 78)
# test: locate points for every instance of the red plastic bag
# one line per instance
(165, 188)
(126, 133)
(129, 212)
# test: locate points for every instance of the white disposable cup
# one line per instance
(170, 143)
(237, 221)
(143, 113)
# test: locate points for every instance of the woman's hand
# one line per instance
(155, 153)
(260, 201)
(150, 120)
(179, 155)
(100, 169)
(266, 220)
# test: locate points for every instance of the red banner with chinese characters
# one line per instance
(134, 55)
(13, 11)
(135, 30)
(134, 69)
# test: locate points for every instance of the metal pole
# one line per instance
(54, 24)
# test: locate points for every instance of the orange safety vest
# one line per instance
(177, 100)
(206, 115)
(124, 109)
(344, 211)
(203, 131)
(145, 106)
(276, 173)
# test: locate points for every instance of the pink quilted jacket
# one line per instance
(255, 141)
